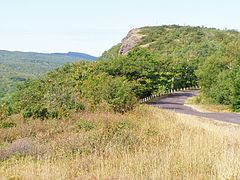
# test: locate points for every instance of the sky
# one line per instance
(92, 26)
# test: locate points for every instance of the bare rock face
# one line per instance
(130, 41)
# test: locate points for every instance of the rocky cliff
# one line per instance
(131, 40)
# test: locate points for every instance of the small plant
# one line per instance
(8, 110)
(7, 125)
(125, 124)
(27, 112)
(152, 132)
(122, 125)
(86, 125)
(75, 105)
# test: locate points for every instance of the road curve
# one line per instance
(175, 102)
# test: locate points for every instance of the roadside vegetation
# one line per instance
(210, 58)
(146, 143)
(83, 120)
(203, 104)
(173, 57)
(115, 85)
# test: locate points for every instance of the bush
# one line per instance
(36, 112)
(52, 96)
(221, 92)
(63, 91)
(119, 95)
(219, 77)
(117, 92)
(235, 99)
(86, 125)
(7, 125)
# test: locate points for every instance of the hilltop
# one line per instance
(77, 55)
(212, 57)
(173, 40)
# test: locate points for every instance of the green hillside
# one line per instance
(82, 120)
(212, 57)
(149, 60)
(16, 67)
(191, 43)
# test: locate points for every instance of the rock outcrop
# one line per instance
(131, 40)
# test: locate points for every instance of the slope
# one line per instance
(16, 67)
(210, 57)
(150, 60)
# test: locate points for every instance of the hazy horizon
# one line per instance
(92, 27)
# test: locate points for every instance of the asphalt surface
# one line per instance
(175, 102)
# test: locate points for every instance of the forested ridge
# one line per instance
(162, 58)
(16, 67)
(206, 57)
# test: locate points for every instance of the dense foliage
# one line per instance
(150, 74)
(167, 57)
(196, 55)
(16, 67)
(236, 86)
(219, 74)
(72, 87)
(114, 84)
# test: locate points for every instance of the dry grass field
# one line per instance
(148, 143)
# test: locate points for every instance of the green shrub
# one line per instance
(75, 105)
(117, 92)
(235, 99)
(36, 112)
(86, 125)
(7, 124)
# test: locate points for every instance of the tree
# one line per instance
(236, 86)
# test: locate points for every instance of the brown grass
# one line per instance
(204, 105)
(145, 144)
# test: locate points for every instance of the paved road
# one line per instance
(176, 101)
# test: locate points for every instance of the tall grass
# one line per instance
(145, 144)
(204, 104)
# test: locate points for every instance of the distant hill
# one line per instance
(77, 55)
(15, 66)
